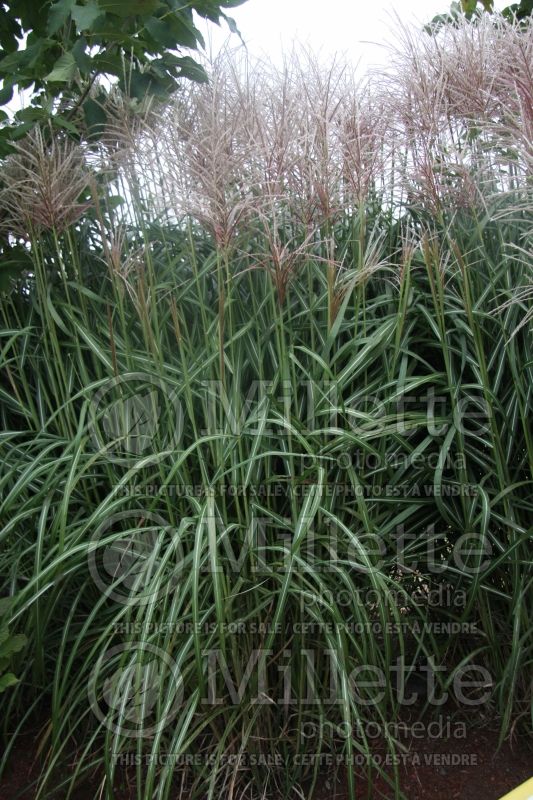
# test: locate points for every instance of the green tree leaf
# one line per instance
(32, 114)
(10, 31)
(211, 9)
(174, 31)
(160, 31)
(232, 25)
(58, 15)
(149, 82)
(189, 68)
(128, 8)
(21, 61)
(85, 16)
(83, 59)
(6, 93)
(95, 117)
(520, 11)
(64, 69)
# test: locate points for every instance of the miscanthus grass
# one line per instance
(266, 397)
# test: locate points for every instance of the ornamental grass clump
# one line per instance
(266, 443)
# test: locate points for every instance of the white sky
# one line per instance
(356, 28)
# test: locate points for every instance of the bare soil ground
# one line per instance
(428, 771)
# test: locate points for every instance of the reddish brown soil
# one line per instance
(426, 774)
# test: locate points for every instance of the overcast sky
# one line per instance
(357, 28)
